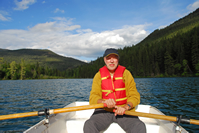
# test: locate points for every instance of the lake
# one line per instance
(173, 96)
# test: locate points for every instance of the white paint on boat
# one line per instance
(73, 122)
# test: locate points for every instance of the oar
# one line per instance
(95, 106)
(163, 117)
(52, 111)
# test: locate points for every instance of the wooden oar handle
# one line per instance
(155, 116)
(53, 111)
(192, 121)
(19, 115)
(78, 108)
(162, 117)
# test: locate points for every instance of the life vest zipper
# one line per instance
(113, 88)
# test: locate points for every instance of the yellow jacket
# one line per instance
(132, 94)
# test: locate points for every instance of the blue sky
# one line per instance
(83, 29)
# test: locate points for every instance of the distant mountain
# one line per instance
(43, 57)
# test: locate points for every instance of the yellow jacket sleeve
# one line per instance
(96, 92)
(132, 94)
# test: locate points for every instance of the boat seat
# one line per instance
(73, 123)
(114, 127)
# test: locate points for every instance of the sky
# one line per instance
(84, 29)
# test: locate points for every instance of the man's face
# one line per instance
(111, 62)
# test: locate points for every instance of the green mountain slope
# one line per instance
(180, 26)
(43, 57)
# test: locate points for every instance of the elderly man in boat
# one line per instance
(114, 85)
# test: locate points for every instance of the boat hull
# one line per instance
(73, 122)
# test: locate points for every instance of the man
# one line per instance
(115, 86)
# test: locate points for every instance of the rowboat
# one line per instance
(73, 122)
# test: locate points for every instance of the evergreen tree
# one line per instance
(13, 69)
(157, 70)
(195, 50)
(197, 69)
(23, 71)
(1, 61)
(185, 67)
(169, 64)
(1, 72)
(177, 67)
(34, 74)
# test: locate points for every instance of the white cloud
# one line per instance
(62, 19)
(24, 4)
(43, 2)
(194, 6)
(4, 16)
(58, 10)
(163, 26)
(64, 38)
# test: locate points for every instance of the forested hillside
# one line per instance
(43, 57)
(178, 27)
(172, 51)
(34, 64)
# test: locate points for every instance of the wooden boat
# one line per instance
(73, 122)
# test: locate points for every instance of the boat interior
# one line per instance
(73, 122)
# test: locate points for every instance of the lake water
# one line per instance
(173, 96)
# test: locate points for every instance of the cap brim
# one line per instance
(111, 53)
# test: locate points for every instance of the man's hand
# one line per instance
(119, 110)
(110, 103)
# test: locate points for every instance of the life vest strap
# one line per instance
(117, 78)
(120, 89)
(121, 99)
(117, 100)
(105, 78)
(110, 91)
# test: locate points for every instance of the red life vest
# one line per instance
(113, 88)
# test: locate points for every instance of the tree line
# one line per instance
(22, 71)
